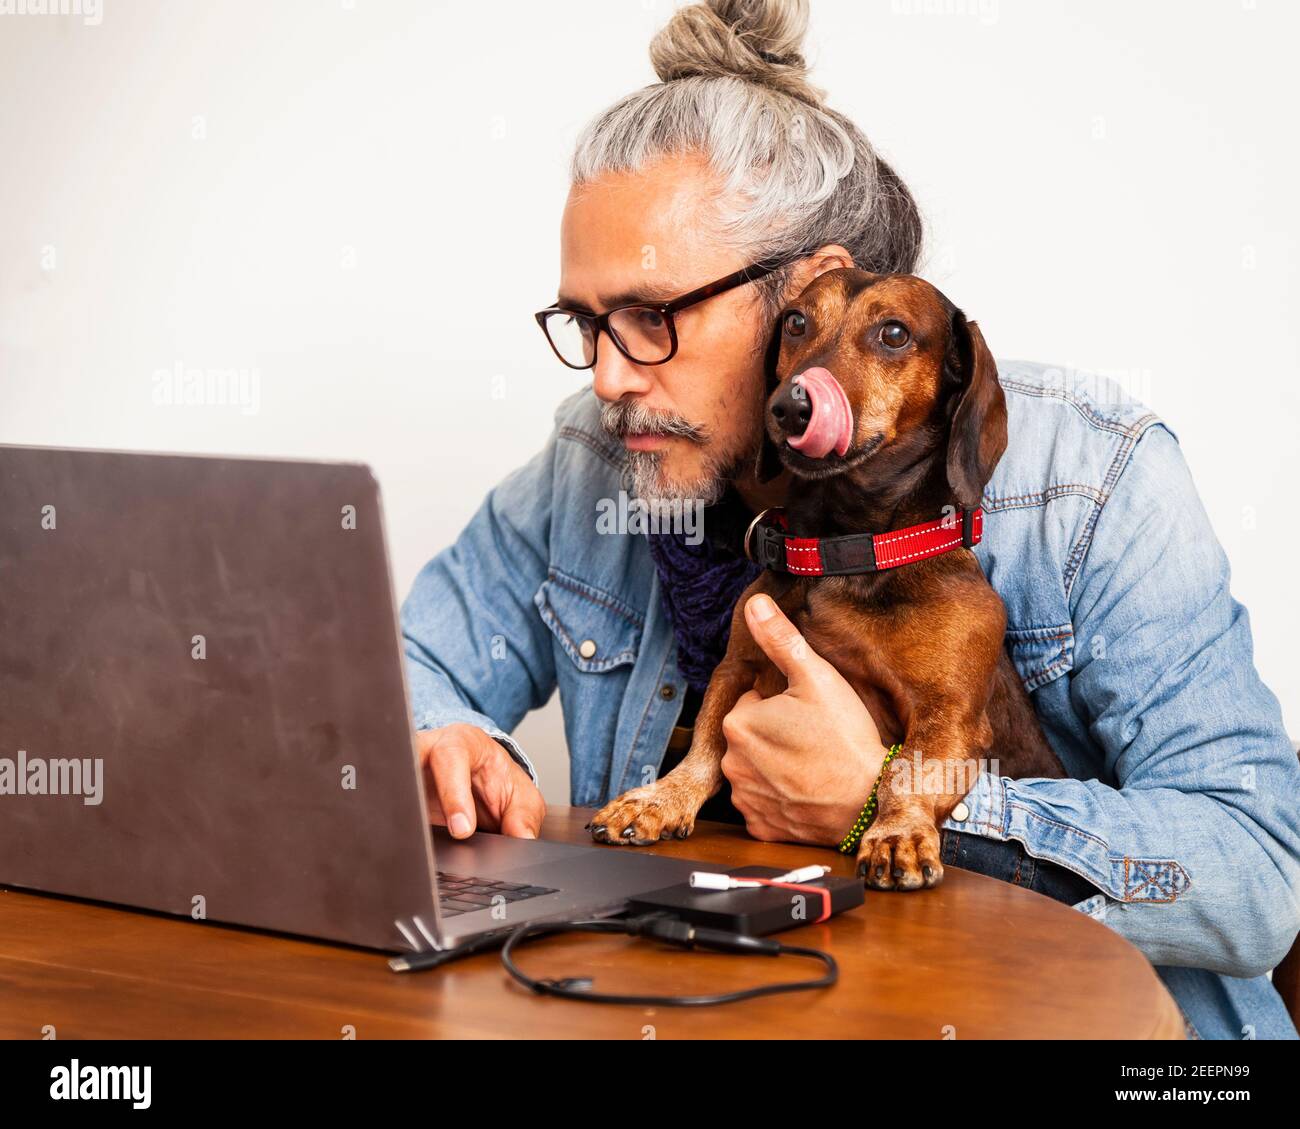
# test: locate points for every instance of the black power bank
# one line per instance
(756, 910)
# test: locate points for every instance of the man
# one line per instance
(1179, 827)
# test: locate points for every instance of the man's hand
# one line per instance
(802, 763)
(471, 781)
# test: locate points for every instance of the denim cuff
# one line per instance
(986, 808)
(438, 718)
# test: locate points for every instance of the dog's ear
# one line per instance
(978, 432)
(768, 465)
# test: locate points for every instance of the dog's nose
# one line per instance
(791, 409)
(818, 418)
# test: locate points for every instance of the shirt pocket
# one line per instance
(597, 630)
(1041, 654)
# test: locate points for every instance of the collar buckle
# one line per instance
(749, 533)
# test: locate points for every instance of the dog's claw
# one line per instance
(902, 856)
(646, 815)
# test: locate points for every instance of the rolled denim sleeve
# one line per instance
(1193, 832)
(476, 650)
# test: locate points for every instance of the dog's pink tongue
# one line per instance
(831, 426)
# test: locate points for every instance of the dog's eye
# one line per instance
(894, 334)
(795, 324)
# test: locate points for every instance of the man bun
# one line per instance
(759, 41)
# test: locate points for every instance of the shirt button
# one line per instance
(587, 648)
(667, 691)
(961, 813)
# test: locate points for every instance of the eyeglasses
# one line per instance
(644, 333)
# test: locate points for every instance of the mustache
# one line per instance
(632, 417)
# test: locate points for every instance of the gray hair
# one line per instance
(794, 174)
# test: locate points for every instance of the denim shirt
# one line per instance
(1181, 807)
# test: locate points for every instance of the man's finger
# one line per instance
(733, 723)
(449, 761)
(781, 641)
(524, 808)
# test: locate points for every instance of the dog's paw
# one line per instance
(646, 815)
(900, 854)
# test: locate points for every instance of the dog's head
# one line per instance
(884, 368)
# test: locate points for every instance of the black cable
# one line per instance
(672, 931)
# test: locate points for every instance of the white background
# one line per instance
(360, 200)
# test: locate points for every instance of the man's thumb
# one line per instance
(780, 639)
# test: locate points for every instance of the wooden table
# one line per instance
(974, 958)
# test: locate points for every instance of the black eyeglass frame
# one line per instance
(598, 322)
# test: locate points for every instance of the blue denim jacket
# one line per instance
(1182, 804)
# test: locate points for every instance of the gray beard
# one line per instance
(643, 472)
(645, 479)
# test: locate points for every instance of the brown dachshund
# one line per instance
(890, 417)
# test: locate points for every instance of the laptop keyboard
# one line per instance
(458, 894)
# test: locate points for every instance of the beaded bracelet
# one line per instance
(850, 842)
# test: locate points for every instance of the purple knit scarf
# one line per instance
(701, 584)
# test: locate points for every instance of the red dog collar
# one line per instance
(766, 543)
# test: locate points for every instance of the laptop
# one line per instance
(203, 712)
